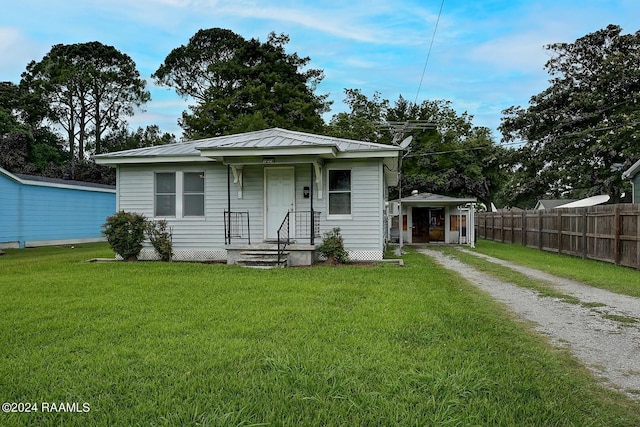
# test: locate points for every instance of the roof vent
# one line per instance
(414, 192)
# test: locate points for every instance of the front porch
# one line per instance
(295, 244)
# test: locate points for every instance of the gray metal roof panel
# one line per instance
(263, 139)
(177, 149)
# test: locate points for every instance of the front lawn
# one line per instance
(156, 344)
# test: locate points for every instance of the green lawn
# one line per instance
(168, 344)
(604, 275)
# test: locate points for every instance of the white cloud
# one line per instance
(16, 51)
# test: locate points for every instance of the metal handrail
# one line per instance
(283, 236)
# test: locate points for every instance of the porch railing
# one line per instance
(307, 225)
(307, 228)
(236, 226)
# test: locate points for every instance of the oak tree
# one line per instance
(581, 132)
(240, 85)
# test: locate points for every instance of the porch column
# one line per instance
(313, 217)
(229, 204)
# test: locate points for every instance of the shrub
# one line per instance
(333, 247)
(125, 233)
(160, 237)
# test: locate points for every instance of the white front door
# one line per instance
(279, 196)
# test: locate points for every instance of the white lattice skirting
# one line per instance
(148, 254)
(365, 255)
(361, 256)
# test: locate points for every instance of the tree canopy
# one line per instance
(581, 132)
(241, 85)
(89, 89)
(454, 158)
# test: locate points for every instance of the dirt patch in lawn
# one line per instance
(591, 330)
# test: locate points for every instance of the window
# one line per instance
(165, 194)
(193, 204)
(179, 194)
(454, 220)
(339, 192)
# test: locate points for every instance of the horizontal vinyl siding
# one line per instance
(136, 194)
(363, 231)
(636, 188)
(46, 213)
(9, 210)
(64, 214)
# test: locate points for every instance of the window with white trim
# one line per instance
(165, 203)
(193, 194)
(179, 194)
(339, 192)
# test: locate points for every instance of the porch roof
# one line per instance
(431, 199)
(268, 142)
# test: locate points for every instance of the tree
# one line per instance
(124, 139)
(456, 158)
(89, 89)
(582, 131)
(26, 146)
(363, 122)
(240, 85)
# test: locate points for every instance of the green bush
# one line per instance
(125, 233)
(333, 247)
(159, 235)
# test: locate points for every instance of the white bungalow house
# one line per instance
(224, 197)
(433, 218)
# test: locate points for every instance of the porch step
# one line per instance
(265, 258)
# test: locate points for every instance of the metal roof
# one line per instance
(262, 139)
(632, 171)
(431, 198)
(177, 149)
(276, 137)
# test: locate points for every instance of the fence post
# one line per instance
(540, 229)
(585, 225)
(616, 235)
(559, 227)
(524, 228)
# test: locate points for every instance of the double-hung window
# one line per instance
(165, 194)
(193, 194)
(179, 194)
(340, 192)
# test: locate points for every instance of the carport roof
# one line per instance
(431, 199)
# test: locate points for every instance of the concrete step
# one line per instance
(265, 258)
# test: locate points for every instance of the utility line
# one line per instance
(433, 37)
(461, 150)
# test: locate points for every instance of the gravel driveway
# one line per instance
(609, 348)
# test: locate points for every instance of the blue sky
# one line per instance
(487, 54)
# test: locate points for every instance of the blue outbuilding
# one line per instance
(39, 211)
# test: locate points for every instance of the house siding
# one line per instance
(362, 232)
(33, 215)
(636, 188)
(198, 238)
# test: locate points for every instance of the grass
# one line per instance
(213, 345)
(622, 280)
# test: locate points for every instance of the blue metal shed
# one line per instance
(38, 211)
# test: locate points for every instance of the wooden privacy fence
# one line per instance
(608, 233)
